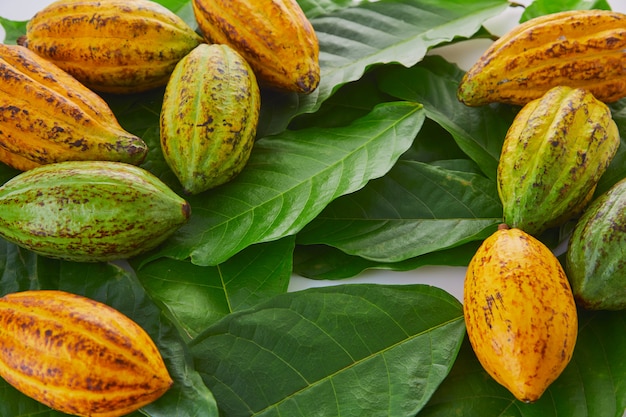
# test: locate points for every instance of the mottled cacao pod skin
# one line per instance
(77, 355)
(274, 36)
(46, 116)
(113, 46)
(520, 313)
(209, 117)
(578, 49)
(595, 263)
(553, 155)
(89, 211)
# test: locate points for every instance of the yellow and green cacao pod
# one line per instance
(553, 155)
(113, 46)
(209, 117)
(77, 355)
(520, 313)
(46, 116)
(595, 263)
(89, 211)
(274, 36)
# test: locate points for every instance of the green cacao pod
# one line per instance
(89, 211)
(77, 355)
(553, 155)
(209, 117)
(114, 46)
(595, 263)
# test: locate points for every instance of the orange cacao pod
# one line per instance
(77, 355)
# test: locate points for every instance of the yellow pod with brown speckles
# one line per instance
(113, 46)
(77, 355)
(274, 36)
(519, 312)
(580, 49)
(47, 116)
(553, 156)
(209, 117)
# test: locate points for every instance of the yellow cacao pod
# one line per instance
(209, 117)
(77, 355)
(579, 49)
(520, 312)
(46, 116)
(553, 156)
(274, 36)
(114, 46)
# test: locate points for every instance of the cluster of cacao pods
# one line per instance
(520, 304)
(82, 195)
(211, 106)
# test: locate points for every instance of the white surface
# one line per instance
(465, 54)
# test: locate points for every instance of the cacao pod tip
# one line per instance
(186, 209)
(22, 41)
(503, 226)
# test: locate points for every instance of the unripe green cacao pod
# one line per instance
(77, 355)
(596, 266)
(553, 155)
(89, 211)
(209, 117)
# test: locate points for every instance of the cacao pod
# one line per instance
(274, 36)
(595, 263)
(579, 49)
(113, 46)
(89, 211)
(520, 313)
(47, 116)
(77, 355)
(209, 117)
(553, 155)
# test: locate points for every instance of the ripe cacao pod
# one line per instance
(47, 116)
(579, 49)
(77, 355)
(89, 211)
(113, 46)
(274, 36)
(209, 117)
(595, 263)
(553, 155)
(520, 313)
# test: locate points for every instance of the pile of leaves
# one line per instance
(381, 167)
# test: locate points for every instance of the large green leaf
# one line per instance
(355, 350)
(478, 131)
(543, 7)
(119, 288)
(592, 385)
(200, 295)
(289, 179)
(328, 263)
(415, 209)
(354, 39)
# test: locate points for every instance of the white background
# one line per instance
(465, 54)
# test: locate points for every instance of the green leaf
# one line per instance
(328, 263)
(354, 39)
(415, 209)
(289, 179)
(314, 8)
(478, 131)
(119, 288)
(199, 296)
(592, 385)
(543, 7)
(355, 350)
(13, 30)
